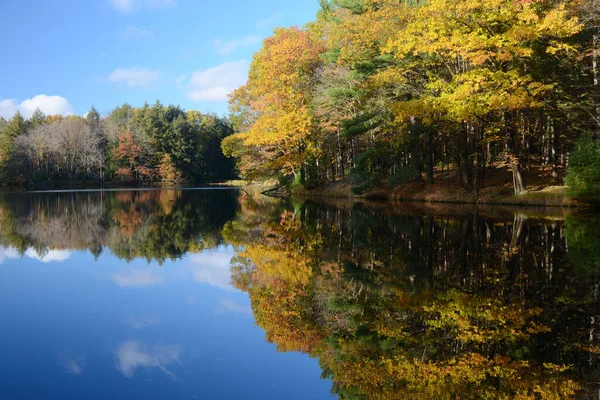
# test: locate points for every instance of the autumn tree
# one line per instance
(167, 171)
(132, 160)
(278, 94)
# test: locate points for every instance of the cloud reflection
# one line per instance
(212, 267)
(46, 257)
(49, 256)
(74, 365)
(141, 322)
(132, 355)
(232, 306)
(137, 278)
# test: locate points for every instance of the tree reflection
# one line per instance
(395, 304)
(155, 225)
(440, 306)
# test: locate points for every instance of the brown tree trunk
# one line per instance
(430, 157)
(340, 156)
(595, 40)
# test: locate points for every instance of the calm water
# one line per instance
(216, 294)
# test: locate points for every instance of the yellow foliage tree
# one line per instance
(277, 96)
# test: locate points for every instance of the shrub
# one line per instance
(403, 175)
(583, 177)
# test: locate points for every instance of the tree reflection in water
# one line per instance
(435, 305)
(443, 304)
(156, 225)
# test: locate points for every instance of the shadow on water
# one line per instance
(395, 302)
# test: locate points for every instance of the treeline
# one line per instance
(151, 144)
(398, 90)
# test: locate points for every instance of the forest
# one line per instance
(386, 92)
(149, 145)
(467, 95)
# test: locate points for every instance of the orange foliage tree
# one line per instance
(131, 160)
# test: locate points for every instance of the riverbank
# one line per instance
(541, 191)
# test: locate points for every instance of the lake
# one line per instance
(221, 294)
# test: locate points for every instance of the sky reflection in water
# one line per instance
(78, 327)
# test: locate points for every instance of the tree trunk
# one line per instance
(340, 156)
(595, 39)
(430, 157)
(518, 179)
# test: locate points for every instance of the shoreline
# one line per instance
(548, 196)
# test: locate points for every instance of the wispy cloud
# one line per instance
(137, 278)
(137, 33)
(48, 104)
(133, 355)
(225, 47)
(187, 54)
(269, 22)
(214, 84)
(133, 78)
(128, 6)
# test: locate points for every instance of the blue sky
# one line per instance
(64, 56)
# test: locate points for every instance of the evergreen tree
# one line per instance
(16, 126)
(38, 118)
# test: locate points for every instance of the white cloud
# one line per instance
(136, 32)
(133, 355)
(268, 22)
(212, 268)
(214, 84)
(137, 278)
(135, 77)
(50, 105)
(8, 107)
(225, 47)
(128, 6)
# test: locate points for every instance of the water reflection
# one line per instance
(428, 306)
(132, 355)
(141, 322)
(137, 278)
(73, 364)
(440, 303)
(155, 225)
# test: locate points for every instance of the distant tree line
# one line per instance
(147, 145)
(393, 91)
